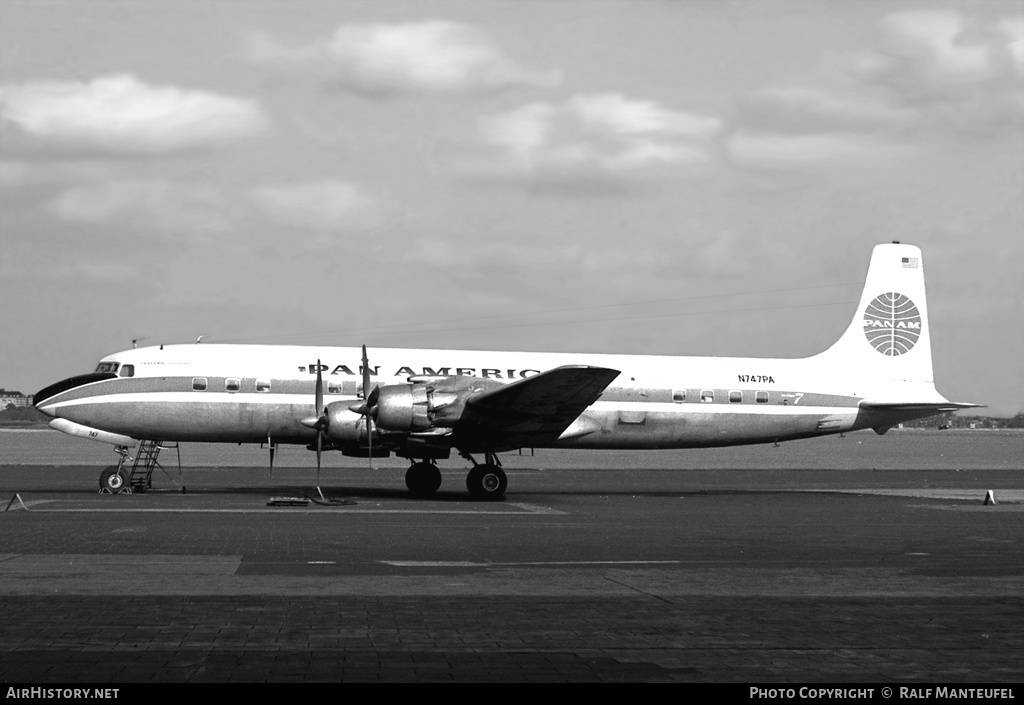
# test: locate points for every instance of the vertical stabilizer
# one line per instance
(887, 348)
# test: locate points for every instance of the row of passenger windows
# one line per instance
(231, 384)
(707, 396)
(234, 384)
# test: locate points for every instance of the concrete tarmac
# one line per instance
(579, 575)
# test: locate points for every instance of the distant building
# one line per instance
(15, 399)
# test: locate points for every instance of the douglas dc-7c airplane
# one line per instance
(420, 404)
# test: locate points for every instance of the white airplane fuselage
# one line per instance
(209, 393)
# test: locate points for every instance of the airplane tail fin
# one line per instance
(886, 353)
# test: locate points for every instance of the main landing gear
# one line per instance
(486, 481)
(423, 478)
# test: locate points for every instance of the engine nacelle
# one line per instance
(403, 407)
(343, 426)
(418, 406)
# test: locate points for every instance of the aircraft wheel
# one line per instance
(113, 479)
(487, 482)
(423, 479)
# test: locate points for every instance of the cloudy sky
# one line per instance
(695, 178)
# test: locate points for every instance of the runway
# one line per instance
(598, 573)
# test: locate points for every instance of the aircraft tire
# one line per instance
(423, 479)
(487, 482)
(113, 479)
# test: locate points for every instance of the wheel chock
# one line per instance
(288, 502)
(19, 500)
(124, 490)
(990, 498)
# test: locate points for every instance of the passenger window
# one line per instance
(263, 385)
(127, 370)
(334, 388)
(679, 396)
(199, 384)
(232, 384)
(735, 396)
(761, 397)
(707, 396)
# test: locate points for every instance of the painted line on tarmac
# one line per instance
(525, 510)
(957, 494)
(475, 564)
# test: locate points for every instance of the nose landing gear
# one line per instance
(114, 479)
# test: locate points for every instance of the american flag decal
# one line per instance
(910, 262)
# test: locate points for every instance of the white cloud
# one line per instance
(596, 135)
(931, 73)
(434, 57)
(185, 209)
(19, 175)
(775, 150)
(198, 209)
(617, 114)
(959, 72)
(320, 205)
(122, 115)
(936, 47)
(802, 109)
(113, 271)
(1013, 31)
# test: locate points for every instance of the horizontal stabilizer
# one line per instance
(921, 406)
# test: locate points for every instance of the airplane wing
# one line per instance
(535, 409)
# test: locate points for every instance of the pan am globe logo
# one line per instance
(892, 324)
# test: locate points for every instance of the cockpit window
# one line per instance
(127, 370)
(107, 367)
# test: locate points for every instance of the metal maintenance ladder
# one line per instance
(140, 478)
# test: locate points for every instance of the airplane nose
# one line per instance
(64, 385)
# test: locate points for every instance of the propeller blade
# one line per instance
(369, 401)
(319, 450)
(322, 420)
(369, 443)
(366, 375)
(319, 390)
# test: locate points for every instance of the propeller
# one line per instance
(321, 417)
(321, 420)
(369, 406)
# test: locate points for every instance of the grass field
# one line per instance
(897, 450)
